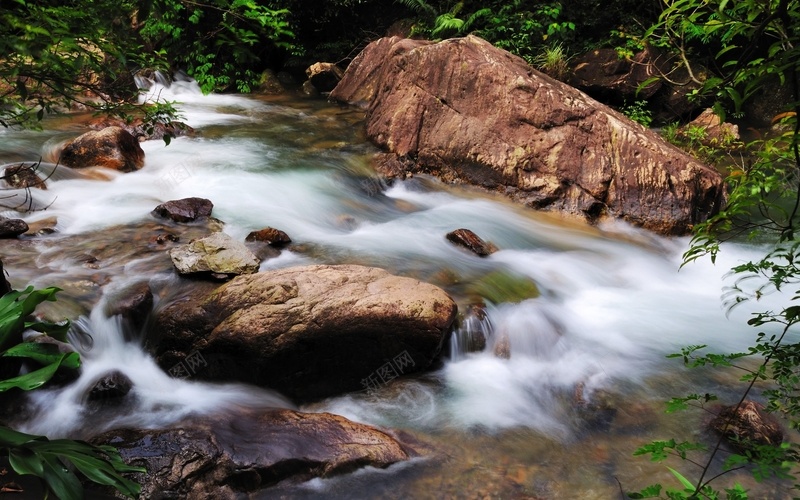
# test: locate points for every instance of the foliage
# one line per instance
(50, 460)
(755, 44)
(437, 25)
(55, 54)
(219, 42)
(525, 32)
(553, 60)
(638, 112)
(724, 151)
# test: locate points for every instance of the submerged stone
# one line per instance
(504, 286)
(747, 426)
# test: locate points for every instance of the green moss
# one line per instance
(504, 286)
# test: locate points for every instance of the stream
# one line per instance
(587, 375)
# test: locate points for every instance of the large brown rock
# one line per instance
(468, 112)
(247, 453)
(309, 332)
(111, 147)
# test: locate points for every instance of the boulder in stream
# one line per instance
(111, 147)
(219, 254)
(185, 209)
(308, 332)
(468, 112)
(111, 387)
(229, 458)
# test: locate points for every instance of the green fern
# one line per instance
(419, 6)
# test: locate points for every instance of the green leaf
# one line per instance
(10, 437)
(64, 484)
(42, 353)
(685, 482)
(24, 461)
(652, 491)
(37, 378)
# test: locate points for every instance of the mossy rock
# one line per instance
(504, 286)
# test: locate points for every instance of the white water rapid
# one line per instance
(612, 302)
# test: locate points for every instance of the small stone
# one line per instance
(164, 238)
(23, 176)
(271, 236)
(218, 253)
(184, 210)
(43, 227)
(112, 386)
(11, 228)
(471, 241)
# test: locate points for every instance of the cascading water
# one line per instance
(156, 399)
(611, 301)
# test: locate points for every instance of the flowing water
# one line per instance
(586, 376)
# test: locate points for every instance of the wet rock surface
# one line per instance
(111, 387)
(271, 236)
(470, 241)
(133, 303)
(23, 176)
(251, 452)
(111, 147)
(308, 332)
(11, 228)
(747, 425)
(218, 254)
(184, 210)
